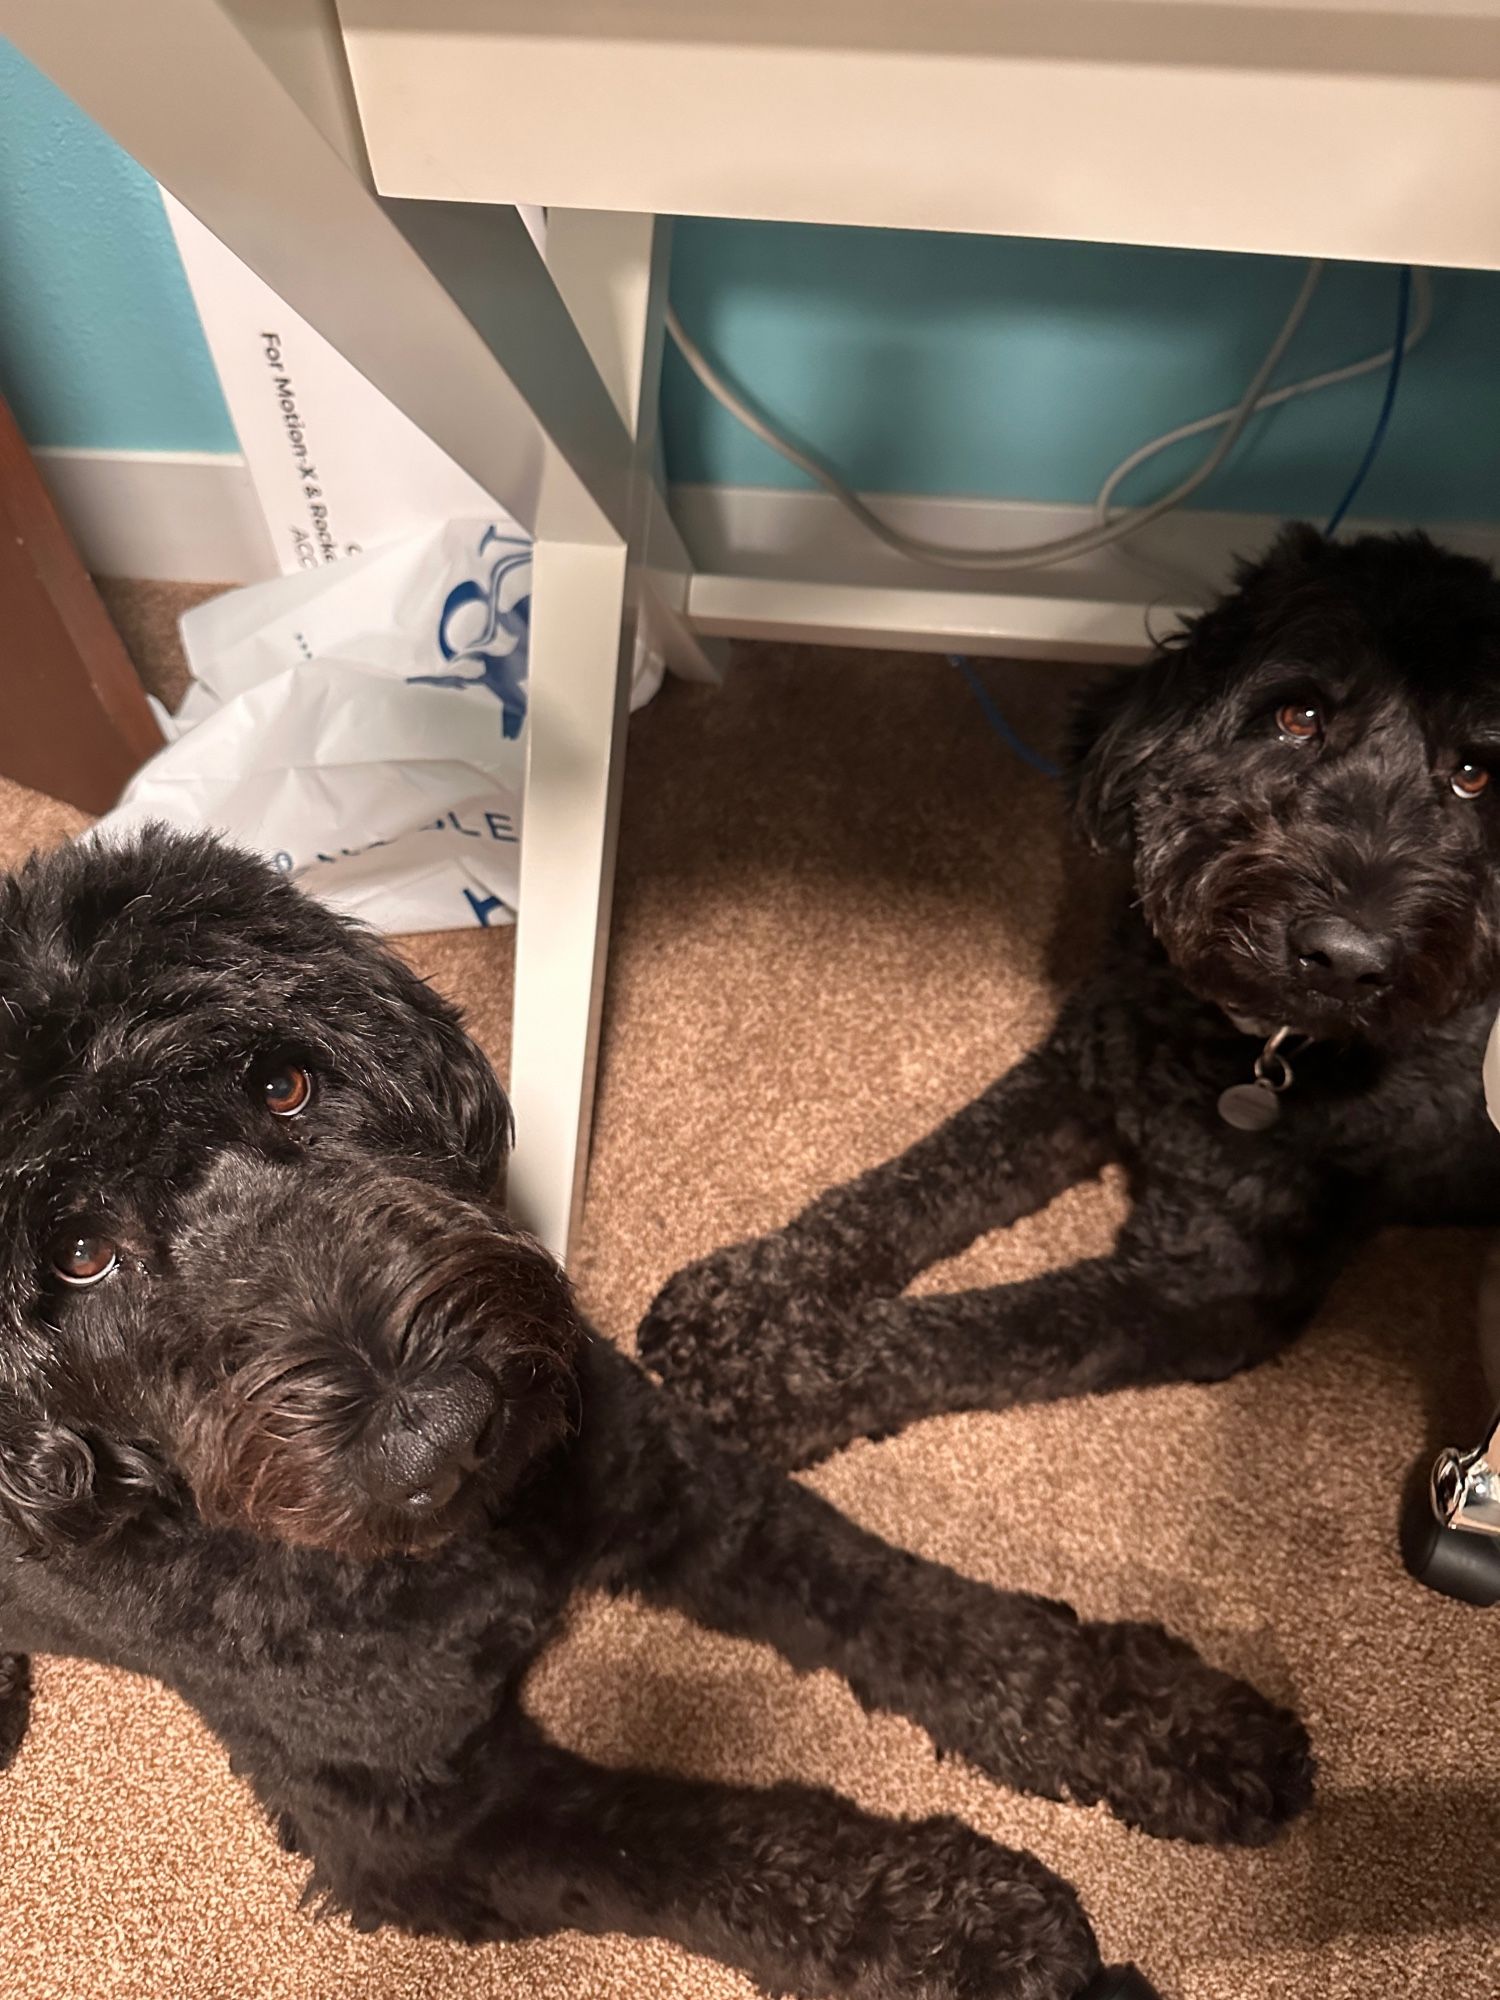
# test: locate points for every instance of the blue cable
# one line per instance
(1387, 404)
(987, 705)
(1017, 745)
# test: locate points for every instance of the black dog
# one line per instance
(292, 1418)
(1303, 783)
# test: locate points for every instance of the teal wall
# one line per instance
(917, 363)
(99, 339)
(1027, 370)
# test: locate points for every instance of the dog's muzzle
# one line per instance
(388, 1358)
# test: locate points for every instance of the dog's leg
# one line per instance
(795, 1886)
(15, 1704)
(1194, 1291)
(1014, 1683)
(1005, 1155)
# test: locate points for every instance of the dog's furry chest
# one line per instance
(1401, 1134)
(296, 1661)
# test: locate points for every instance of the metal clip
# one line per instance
(1272, 1067)
(1252, 1107)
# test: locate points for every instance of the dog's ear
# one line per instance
(46, 1482)
(59, 1488)
(471, 1093)
(451, 1070)
(1117, 726)
(1120, 724)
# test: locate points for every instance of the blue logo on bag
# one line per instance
(499, 648)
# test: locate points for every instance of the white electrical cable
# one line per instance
(1372, 364)
(1106, 531)
(1037, 555)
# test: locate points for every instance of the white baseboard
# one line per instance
(779, 564)
(770, 562)
(179, 516)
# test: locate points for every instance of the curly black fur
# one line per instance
(323, 1445)
(15, 1704)
(1297, 756)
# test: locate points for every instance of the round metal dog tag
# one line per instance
(1249, 1107)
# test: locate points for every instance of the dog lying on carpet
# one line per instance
(294, 1420)
(1282, 1046)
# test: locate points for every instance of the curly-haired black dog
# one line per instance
(293, 1419)
(1302, 780)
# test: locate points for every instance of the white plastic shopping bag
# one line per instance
(362, 725)
(336, 468)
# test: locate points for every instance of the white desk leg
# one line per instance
(666, 581)
(582, 649)
(611, 273)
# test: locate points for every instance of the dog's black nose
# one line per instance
(431, 1440)
(1341, 958)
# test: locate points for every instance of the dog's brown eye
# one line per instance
(286, 1090)
(1300, 720)
(81, 1259)
(1469, 780)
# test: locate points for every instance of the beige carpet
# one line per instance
(836, 901)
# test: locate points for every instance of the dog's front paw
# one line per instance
(15, 1704)
(765, 1342)
(1185, 1751)
(715, 1307)
(735, 1332)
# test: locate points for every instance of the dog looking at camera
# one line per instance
(292, 1418)
(1282, 1045)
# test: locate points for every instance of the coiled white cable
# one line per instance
(1372, 364)
(1108, 529)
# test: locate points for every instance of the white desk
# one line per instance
(352, 158)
